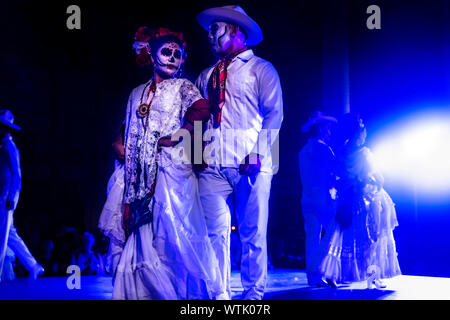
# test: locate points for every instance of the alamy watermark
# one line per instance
(374, 21)
(226, 147)
(374, 274)
(74, 279)
(74, 20)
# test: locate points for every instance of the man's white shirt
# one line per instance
(251, 116)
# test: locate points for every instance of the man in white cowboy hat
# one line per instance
(10, 185)
(247, 111)
(317, 173)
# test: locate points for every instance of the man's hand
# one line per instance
(166, 142)
(251, 164)
(9, 205)
(119, 151)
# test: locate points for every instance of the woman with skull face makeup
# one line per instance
(167, 55)
(166, 250)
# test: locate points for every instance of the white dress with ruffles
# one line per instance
(369, 241)
(171, 257)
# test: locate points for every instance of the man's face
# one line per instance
(325, 132)
(168, 59)
(219, 37)
(4, 130)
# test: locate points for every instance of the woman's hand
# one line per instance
(118, 147)
(119, 151)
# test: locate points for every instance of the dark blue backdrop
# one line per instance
(68, 90)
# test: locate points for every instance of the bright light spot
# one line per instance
(233, 228)
(418, 153)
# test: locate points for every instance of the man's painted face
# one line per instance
(4, 130)
(168, 59)
(219, 37)
(325, 132)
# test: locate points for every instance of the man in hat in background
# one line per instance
(247, 111)
(10, 185)
(317, 172)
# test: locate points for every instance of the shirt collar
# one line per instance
(325, 144)
(244, 56)
(8, 137)
(317, 140)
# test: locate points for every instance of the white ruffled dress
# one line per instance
(171, 257)
(369, 241)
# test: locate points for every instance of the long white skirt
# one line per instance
(8, 266)
(369, 241)
(110, 221)
(171, 258)
(384, 220)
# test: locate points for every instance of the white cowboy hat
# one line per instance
(7, 118)
(317, 117)
(233, 14)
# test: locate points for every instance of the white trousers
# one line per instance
(10, 238)
(313, 230)
(222, 191)
(316, 246)
(5, 224)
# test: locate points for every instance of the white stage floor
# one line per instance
(282, 284)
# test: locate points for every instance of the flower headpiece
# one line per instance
(351, 124)
(143, 37)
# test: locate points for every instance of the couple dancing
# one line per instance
(170, 226)
(349, 217)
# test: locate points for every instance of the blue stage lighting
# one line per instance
(417, 152)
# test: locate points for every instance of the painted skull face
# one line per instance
(362, 137)
(219, 37)
(168, 59)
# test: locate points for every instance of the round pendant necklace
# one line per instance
(144, 108)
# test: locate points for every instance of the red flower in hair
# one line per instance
(165, 31)
(144, 34)
(143, 59)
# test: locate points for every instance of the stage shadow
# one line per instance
(56, 288)
(328, 294)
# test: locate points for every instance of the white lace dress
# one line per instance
(110, 221)
(170, 257)
(369, 240)
(382, 220)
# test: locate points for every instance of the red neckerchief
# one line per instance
(216, 84)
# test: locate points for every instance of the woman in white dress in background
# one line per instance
(363, 242)
(110, 222)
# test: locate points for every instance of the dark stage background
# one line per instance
(68, 90)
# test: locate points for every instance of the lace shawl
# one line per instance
(171, 100)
